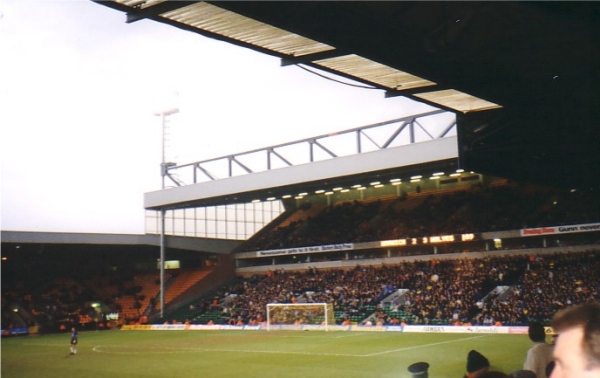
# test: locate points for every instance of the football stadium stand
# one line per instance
(525, 278)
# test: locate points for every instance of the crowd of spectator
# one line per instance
(549, 284)
(440, 291)
(58, 302)
(507, 207)
(450, 291)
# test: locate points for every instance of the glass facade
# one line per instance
(235, 222)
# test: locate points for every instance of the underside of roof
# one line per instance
(522, 76)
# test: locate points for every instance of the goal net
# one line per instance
(300, 316)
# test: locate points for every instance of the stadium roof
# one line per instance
(209, 245)
(522, 76)
(383, 152)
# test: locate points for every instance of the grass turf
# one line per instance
(262, 354)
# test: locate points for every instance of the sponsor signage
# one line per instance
(15, 331)
(355, 327)
(136, 327)
(455, 329)
(588, 227)
(518, 330)
(301, 250)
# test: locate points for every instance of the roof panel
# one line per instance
(374, 72)
(460, 101)
(247, 31)
(232, 25)
(142, 4)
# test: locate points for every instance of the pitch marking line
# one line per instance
(421, 346)
(42, 344)
(99, 349)
(323, 337)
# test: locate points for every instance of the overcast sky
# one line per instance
(78, 89)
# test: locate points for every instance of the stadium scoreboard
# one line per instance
(426, 240)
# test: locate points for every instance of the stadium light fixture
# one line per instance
(166, 112)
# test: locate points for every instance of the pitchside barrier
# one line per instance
(516, 330)
(16, 331)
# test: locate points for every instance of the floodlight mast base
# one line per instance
(164, 167)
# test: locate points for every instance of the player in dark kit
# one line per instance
(73, 341)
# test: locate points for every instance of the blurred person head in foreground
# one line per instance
(577, 350)
(477, 364)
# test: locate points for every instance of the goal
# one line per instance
(300, 316)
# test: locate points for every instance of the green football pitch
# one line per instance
(254, 354)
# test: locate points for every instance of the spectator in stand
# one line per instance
(577, 350)
(540, 354)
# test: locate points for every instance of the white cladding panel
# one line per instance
(397, 157)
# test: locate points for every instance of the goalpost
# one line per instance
(300, 316)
